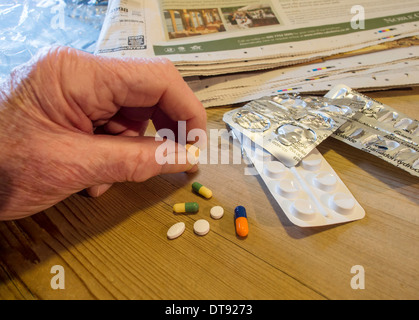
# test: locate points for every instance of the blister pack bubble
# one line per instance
(380, 130)
(290, 126)
(311, 194)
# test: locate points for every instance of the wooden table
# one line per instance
(115, 247)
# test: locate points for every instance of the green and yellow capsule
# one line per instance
(189, 207)
(203, 191)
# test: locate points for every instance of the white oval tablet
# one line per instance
(176, 230)
(201, 227)
(217, 212)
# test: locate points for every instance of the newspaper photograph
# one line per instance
(202, 21)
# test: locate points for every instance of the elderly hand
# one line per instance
(52, 110)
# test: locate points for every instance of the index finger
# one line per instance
(147, 82)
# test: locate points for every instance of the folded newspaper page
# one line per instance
(385, 69)
(205, 37)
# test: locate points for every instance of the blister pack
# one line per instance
(380, 130)
(290, 126)
(311, 194)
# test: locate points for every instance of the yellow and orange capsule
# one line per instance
(240, 218)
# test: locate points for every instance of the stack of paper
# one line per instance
(373, 70)
(233, 51)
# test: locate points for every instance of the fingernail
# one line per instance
(193, 154)
(192, 157)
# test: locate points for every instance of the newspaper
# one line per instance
(385, 69)
(225, 36)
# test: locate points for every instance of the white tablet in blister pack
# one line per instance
(310, 194)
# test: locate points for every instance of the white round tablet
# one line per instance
(217, 212)
(288, 188)
(275, 169)
(176, 230)
(326, 181)
(342, 203)
(201, 227)
(312, 162)
(303, 209)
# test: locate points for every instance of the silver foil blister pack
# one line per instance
(380, 130)
(290, 126)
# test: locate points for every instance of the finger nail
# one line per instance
(193, 154)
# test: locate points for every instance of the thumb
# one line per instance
(98, 190)
(136, 159)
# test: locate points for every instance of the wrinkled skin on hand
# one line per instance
(52, 110)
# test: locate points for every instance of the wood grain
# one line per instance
(115, 247)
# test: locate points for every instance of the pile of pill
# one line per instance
(201, 227)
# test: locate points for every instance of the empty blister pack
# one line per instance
(380, 130)
(310, 194)
(290, 126)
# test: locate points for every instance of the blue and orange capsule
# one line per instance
(240, 218)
